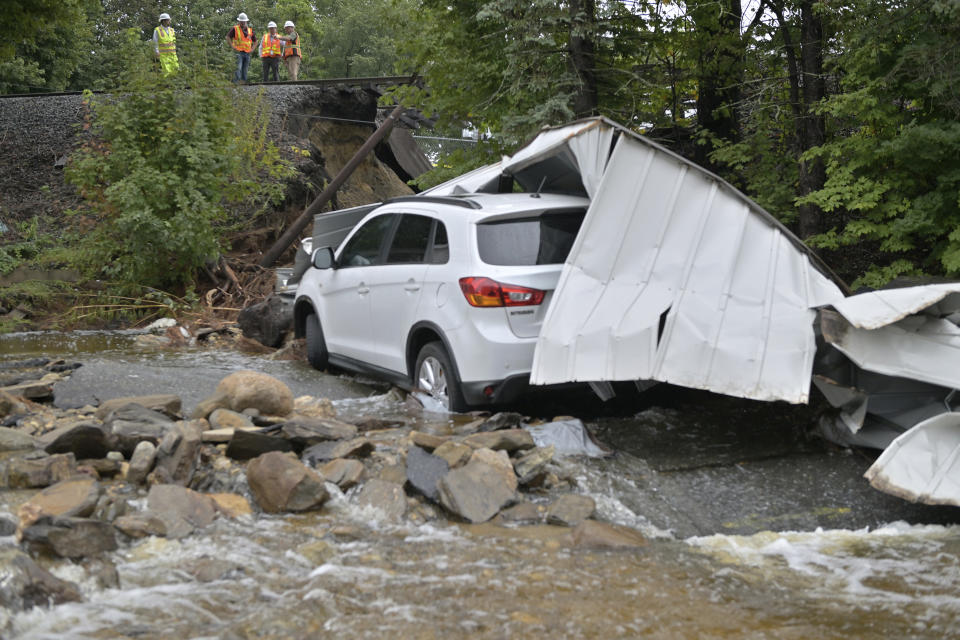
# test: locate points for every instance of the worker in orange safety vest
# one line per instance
(292, 55)
(271, 48)
(165, 45)
(240, 37)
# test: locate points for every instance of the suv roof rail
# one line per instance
(456, 201)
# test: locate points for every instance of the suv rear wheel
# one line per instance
(317, 353)
(435, 375)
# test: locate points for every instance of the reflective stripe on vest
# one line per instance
(242, 39)
(166, 39)
(270, 47)
(292, 48)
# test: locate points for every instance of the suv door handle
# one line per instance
(363, 289)
(412, 285)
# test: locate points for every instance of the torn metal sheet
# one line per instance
(877, 309)
(677, 277)
(923, 464)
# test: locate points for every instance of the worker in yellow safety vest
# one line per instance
(292, 55)
(165, 45)
(271, 48)
(240, 37)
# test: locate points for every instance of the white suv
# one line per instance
(442, 294)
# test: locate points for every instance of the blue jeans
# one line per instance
(243, 64)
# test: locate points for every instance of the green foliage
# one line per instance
(893, 179)
(30, 244)
(166, 157)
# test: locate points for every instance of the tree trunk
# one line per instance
(812, 173)
(582, 56)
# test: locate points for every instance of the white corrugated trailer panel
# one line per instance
(661, 234)
(876, 309)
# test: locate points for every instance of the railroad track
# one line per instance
(326, 82)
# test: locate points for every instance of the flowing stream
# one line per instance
(753, 532)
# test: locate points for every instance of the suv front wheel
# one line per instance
(316, 346)
(435, 375)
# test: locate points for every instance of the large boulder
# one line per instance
(477, 491)
(26, 585)
(75, 496)
(83, 440)
(280, 482)
(69, 537)
(178, 454)
(267, 322)
(182, 510)
(252, 390)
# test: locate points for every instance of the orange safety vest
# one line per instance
(292, 48)
(166, 40)
(271, 46)
(242, 39)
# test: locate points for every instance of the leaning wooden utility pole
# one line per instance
(300, 224)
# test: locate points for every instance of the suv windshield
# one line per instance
(542, 239)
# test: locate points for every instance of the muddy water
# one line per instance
(726, 557)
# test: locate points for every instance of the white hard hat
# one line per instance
(288, 23)
(164, 16)
(242, 18)
(271, 24)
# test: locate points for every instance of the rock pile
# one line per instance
(252, 447)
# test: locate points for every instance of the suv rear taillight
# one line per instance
(484, 292)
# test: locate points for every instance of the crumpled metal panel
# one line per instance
(482, 180)
(877, 309)
(923, 464)
(677, 277)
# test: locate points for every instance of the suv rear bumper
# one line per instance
(501, 391)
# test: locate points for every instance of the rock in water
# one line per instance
(593, 534)
(279, 482)
(83, 440)
(253, 390)
(13, 440)
(424, 471)
(26, 584)
(267, 322)
(387, 497)
(343, 472)
(141, 462)
(178, 454)
(166, 403)
(570, 510)
(182, 510)
(245, 445)
(132, 423)
(476, 491)
(75, 496)
(70, 537)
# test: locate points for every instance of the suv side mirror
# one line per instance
(323, 258)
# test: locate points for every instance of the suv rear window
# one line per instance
(543, 239)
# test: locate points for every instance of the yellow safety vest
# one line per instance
(270, 47)
(292, 48)
(242, 38)
(166, 40)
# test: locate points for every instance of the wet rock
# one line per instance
(207, 569)
(502, 420)
(76, 496)
(594, 534)
(34, 390)
(231, 505)
(267, 322)
(166, 403)
(427, 441)
(131, 424)
(324, 451)
(500, 461)
(141, 525)
(10, 405)
(530, 466)
(250, 389)
(570, 510)
(306, 431)
(8, 524)
(395, 472)
(178, 454)
(279, 482)
(102, 467)
(34, 473)
(424, 471)
(227, 419)
(14, 440)
(523, 513)
(386, 497)
(456, 454)
(207, 406)
(111, 505)
(102, 571)
(245, 445)
(371, 423)
(141, 462)
(83, 440)
(69, 537)
(476, 491)
(343, 472)
(26, 584)
(311, 407)
(182, 510)
(506, 440)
